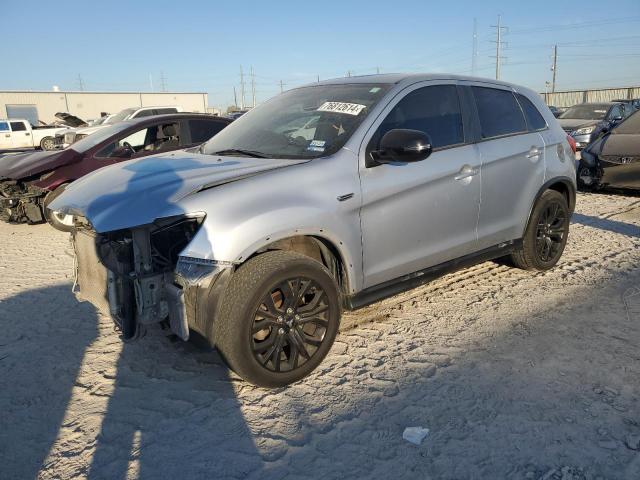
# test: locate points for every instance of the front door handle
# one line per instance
(466, 172)
(8, 135)
(27, 134)
(534, 152)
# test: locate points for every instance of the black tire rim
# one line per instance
(550, 232)
(290, 324)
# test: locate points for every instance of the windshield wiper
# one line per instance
(239, 151)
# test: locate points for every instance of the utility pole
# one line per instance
(151, 82)
(241, 89)
(80, 83)
(318, 78)
(235, 97)
(474, 52)
(498, 42)
(253, 88)
(281, 86)
(163, 82)
(554, 68)
(348, 73)
(378, 70)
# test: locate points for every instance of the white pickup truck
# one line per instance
(19, 134)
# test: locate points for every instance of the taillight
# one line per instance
(572, 143)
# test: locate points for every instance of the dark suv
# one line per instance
(30, 181)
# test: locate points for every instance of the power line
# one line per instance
(241, 88)
(498, 43)
(253, 87)
(474, 52)
(554, 68)
(163, 82)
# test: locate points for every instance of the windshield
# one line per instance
(99, 136)
(307, 122)
(586, 112)
(120, 116)
(630, 126)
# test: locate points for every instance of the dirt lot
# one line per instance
(516, 374)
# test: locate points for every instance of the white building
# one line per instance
(43, 105)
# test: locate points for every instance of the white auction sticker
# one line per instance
(341, 107)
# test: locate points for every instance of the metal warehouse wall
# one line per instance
(88, 105)
(568, 98)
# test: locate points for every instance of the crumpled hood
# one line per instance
(137, 192)
(575, 123)
(27, 164)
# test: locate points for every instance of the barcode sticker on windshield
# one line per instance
(341, 107)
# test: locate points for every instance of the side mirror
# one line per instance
(402, 145)
(121, 152)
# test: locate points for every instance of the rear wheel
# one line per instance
(48, 143)
(278, 319)
(57, 220)
(546, 234)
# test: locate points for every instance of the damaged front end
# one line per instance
(137, 276)
(21, 202)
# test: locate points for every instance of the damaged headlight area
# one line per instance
(137, 277)
(21, 202)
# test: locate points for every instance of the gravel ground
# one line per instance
(516, 374)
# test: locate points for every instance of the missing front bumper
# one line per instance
(109, 274)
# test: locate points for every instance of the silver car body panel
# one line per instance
(384, 221)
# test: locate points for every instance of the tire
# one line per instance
(277, 360)
(61, 222)
(48, 143)
(544, 231)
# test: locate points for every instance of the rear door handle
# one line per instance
(466, 172)
(534, 152)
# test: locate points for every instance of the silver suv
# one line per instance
(329, 196)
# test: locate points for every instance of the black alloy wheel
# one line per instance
(290, 324)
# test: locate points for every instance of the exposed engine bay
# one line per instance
(21, 201)
(136, 275)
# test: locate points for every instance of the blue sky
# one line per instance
(200, 45)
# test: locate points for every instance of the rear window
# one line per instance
(203, 130)
(535, 120)
(498, 111)
(18, 126)
(163, 111)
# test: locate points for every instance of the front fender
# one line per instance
(307, 199)
(239, 243)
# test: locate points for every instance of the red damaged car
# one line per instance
(30, 181)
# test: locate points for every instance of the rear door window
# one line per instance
(499, 112)
(18, 126)
(203, 130)
(4, 126)
(535, 120)
(433, 110)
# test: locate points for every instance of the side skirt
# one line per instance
(402, 284)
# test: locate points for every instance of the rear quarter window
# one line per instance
(4, 127)
(498, 111)
(535, 120)
(203, 130)
(18, 126)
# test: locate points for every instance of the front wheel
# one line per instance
(57, 220)
(546, 234)
(48, 143)
(278, 318)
